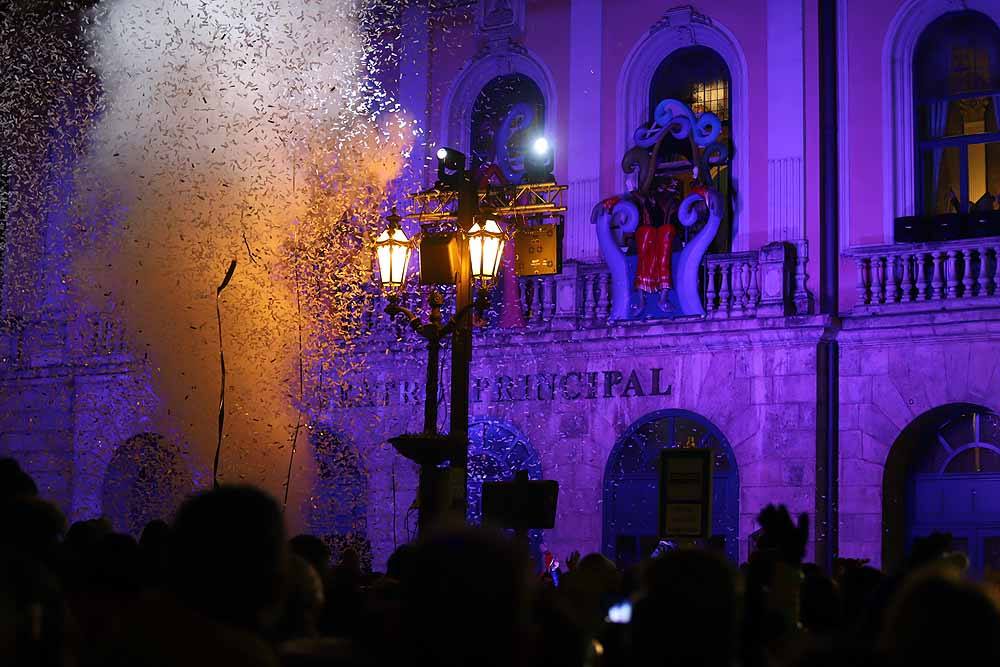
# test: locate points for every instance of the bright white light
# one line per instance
(541, 146)
(392, 250)
(442, 153)
(620, 613)
(486, 243)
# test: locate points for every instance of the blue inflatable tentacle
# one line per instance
(713, 154)
(687, 263)
(676, 116)
(648, 136)
(628, 215)
(708, 129)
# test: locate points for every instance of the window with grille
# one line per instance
(711, 96)
(699, 77)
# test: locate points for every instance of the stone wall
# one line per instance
(755, 380)
(36, 428)
(892, 370)
(68, 398)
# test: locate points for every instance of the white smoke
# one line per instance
(232, 129)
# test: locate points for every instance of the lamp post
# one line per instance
(472, 249)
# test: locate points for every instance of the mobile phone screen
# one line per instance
(620, 613)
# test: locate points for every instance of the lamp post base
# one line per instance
(436, 494)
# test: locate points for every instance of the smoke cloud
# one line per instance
(246, 130)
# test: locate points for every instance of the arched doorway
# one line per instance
(146, 479)
(631, 483)
(943, 475)
(339, 513)
(497, 450)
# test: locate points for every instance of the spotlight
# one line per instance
(541, 146)
(451, 168)
(538, 162)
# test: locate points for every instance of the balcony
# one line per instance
(914, 277)
(767, 283)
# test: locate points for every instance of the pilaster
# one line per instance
(785, 123)
(586, 29)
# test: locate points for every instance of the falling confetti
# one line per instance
(150, 144)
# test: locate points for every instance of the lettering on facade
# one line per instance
(501, 388)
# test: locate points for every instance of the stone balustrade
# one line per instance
(537, 296)
(732, 284)
(769, 282)
(926, 276)
(762, 283)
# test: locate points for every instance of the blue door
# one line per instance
(954, 487)
(631, 484)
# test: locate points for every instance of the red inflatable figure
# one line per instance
(655, 244)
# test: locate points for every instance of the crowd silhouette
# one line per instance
(221, 584)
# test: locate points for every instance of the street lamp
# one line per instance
(471, 246)
(392, 249)
(486, 241)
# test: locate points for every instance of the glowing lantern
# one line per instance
(486, 243)
(392, 249)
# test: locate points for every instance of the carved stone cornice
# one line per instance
(500, 22)
(681, 19)
(502, 46)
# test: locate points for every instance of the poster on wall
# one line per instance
(686, 494)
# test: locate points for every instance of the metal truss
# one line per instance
(539, 200)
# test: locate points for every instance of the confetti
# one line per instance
(150, 143)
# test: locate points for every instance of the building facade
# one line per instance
(846, 359)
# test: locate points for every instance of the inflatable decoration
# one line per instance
(636, 231)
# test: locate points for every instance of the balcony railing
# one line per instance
(927, 276)
(769, 282)
(732, 284)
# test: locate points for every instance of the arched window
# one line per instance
(512, 65)
(956, 89)
(699, 77)
(943, 475)
(339, 513)
(631, 483)
(685, 30)
(965, 442)
(508, 114)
